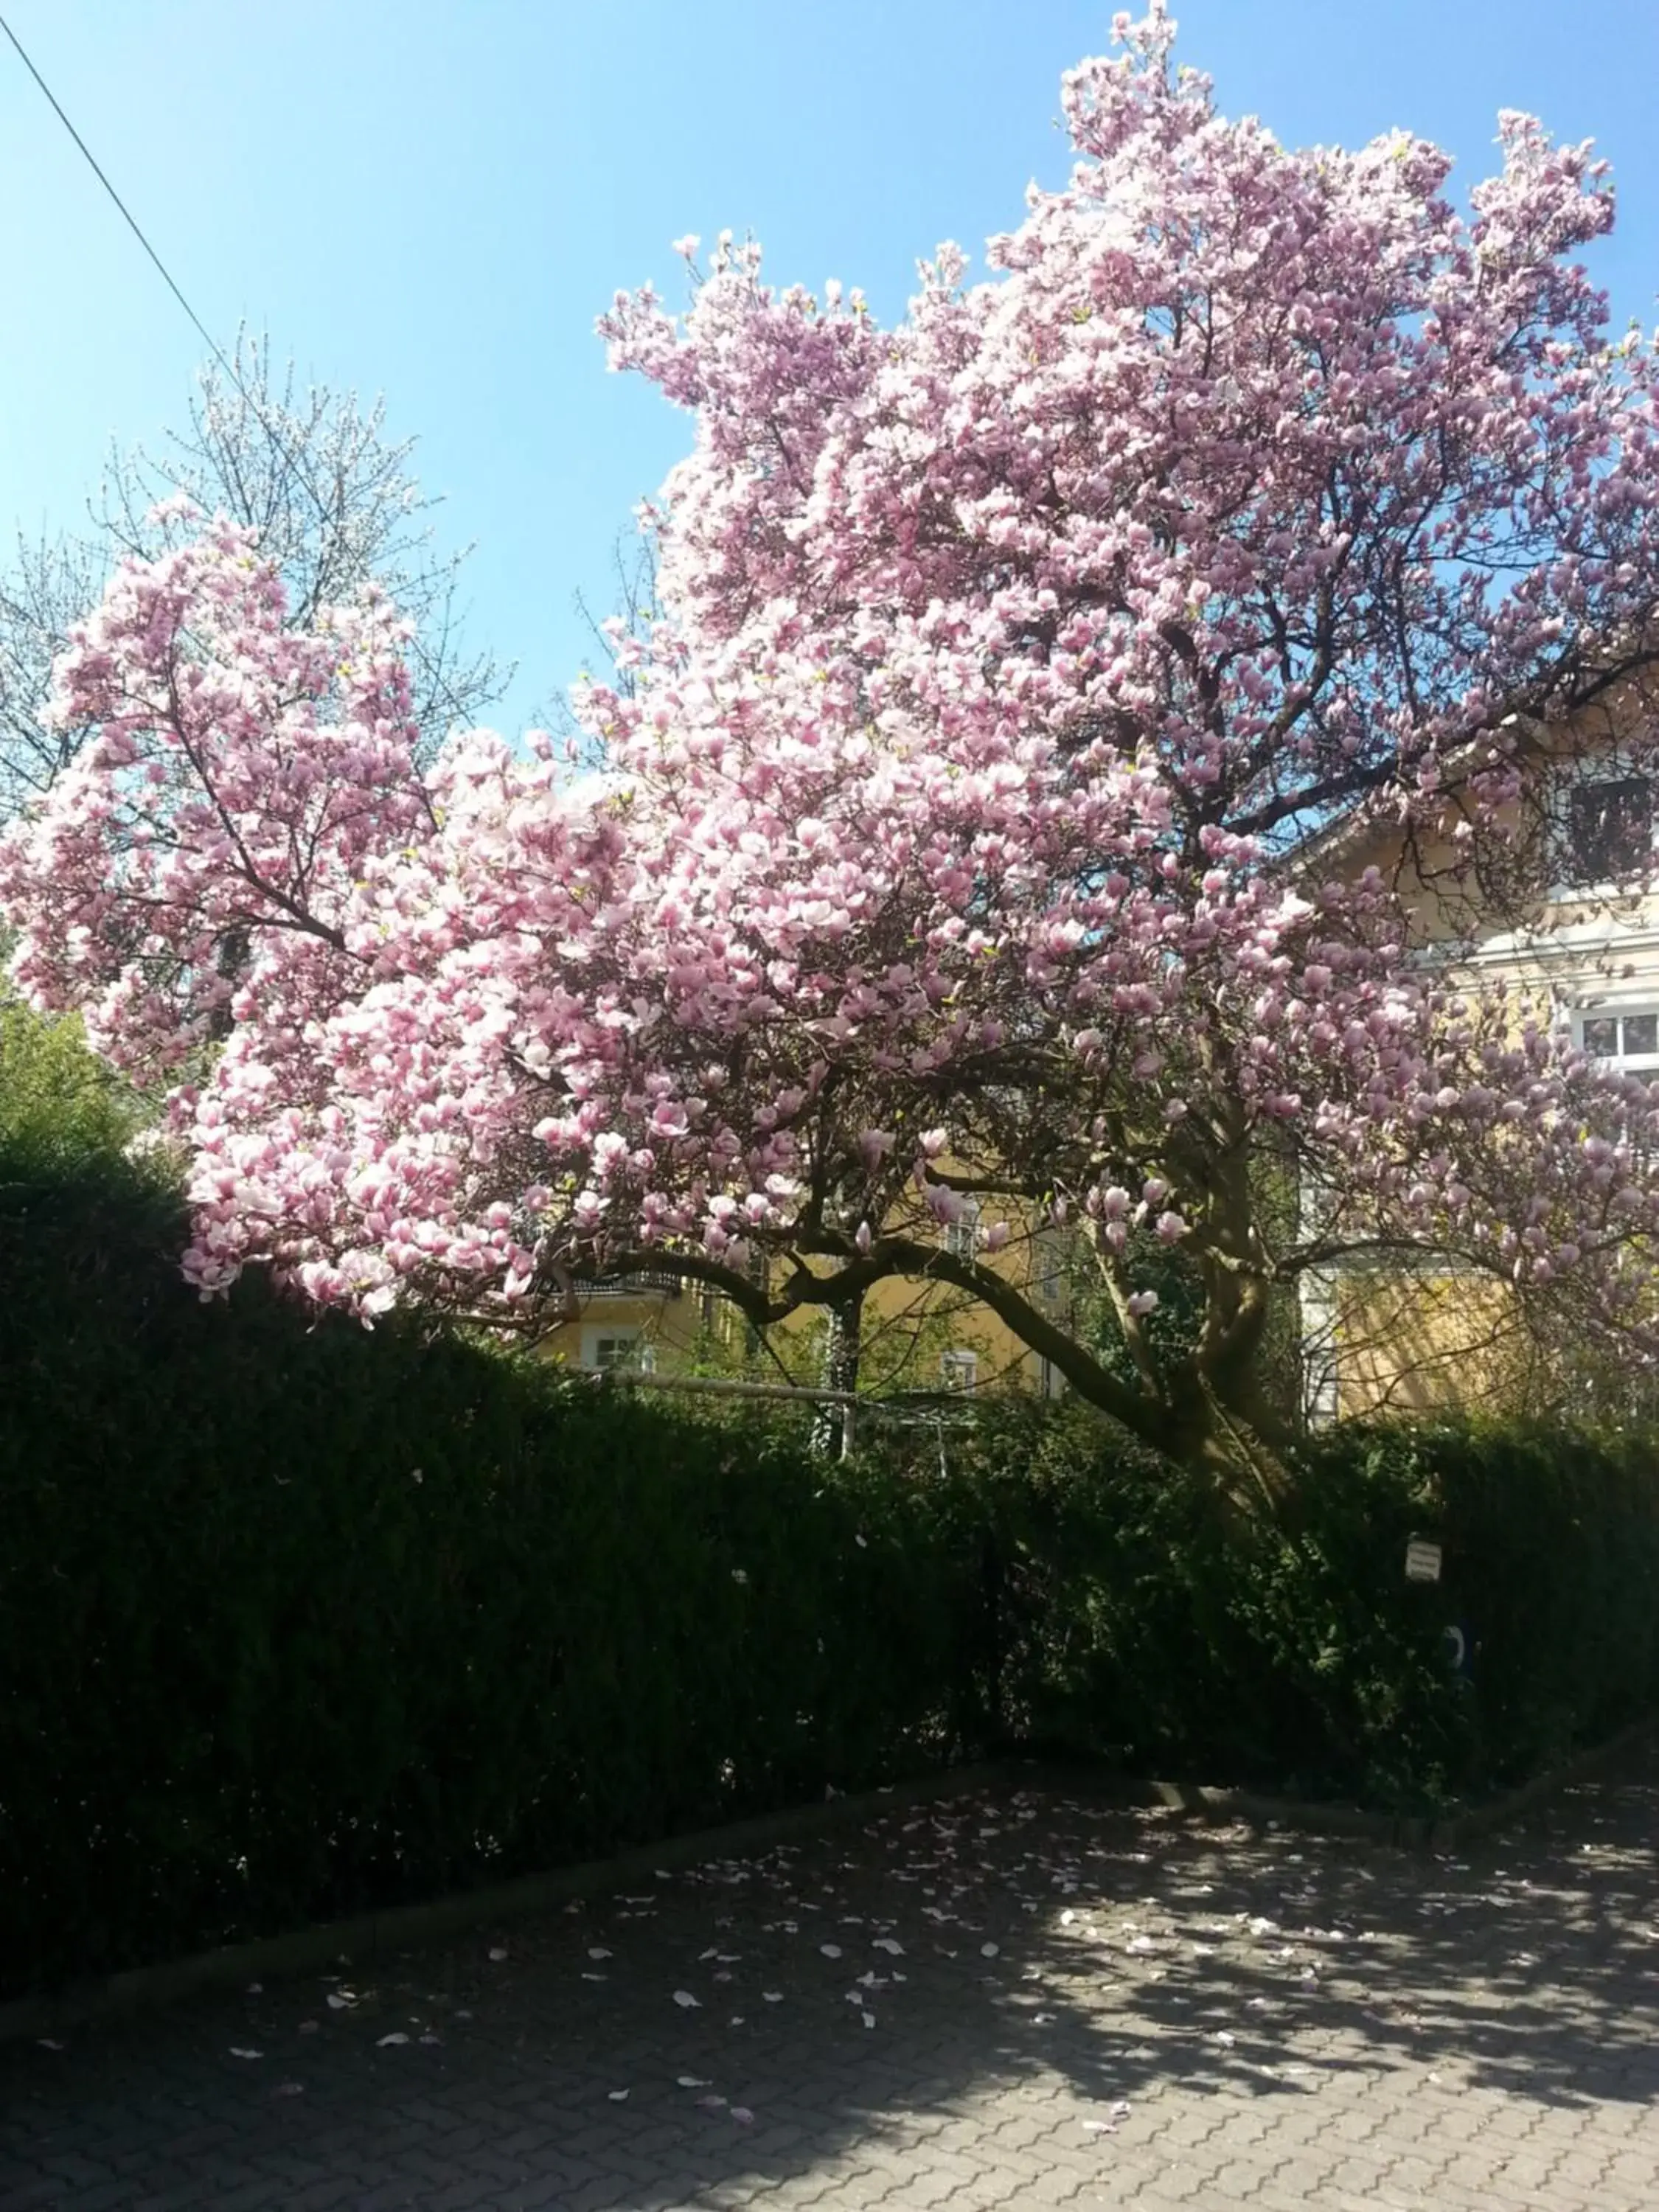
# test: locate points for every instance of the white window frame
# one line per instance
(1621, 1009)
(642, 1352)
(1316, 1296)
(1048, 1258)
(958, 1368)
(961, 1235)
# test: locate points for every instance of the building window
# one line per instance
(607, 1349)
(1609, 829)
(959, 1371)
(961, 1235)
(1047, 1270)
(1627, 1038)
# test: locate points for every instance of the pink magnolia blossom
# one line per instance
(957, 833)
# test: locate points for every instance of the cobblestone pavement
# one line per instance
(1018, 2001)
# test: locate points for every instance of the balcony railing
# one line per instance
(653, 1283)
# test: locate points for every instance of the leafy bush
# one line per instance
(61, 1111)
(1552, 1568)
(1130, 1620)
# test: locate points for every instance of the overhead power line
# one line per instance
(292, 460)
(127, 215)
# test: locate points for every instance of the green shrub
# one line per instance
(1128, 1619)
(60, 1110)
(1552, 1566)
(1121, 1617)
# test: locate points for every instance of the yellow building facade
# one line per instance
(1584, 952)
(914, 1335)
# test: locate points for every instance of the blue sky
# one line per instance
(432, 199)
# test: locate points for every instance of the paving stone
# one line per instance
(1172, 2015)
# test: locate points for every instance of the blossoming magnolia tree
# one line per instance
(955, 838)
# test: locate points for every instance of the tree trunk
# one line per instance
(1241, 1453)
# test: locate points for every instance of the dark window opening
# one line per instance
(1610, 826)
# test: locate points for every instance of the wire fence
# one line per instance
(954, 1407)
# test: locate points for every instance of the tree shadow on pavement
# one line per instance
(990, 1985)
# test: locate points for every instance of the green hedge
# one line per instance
(296, 1618)
(1132, 1621)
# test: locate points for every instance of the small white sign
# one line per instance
(1422, 1562)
